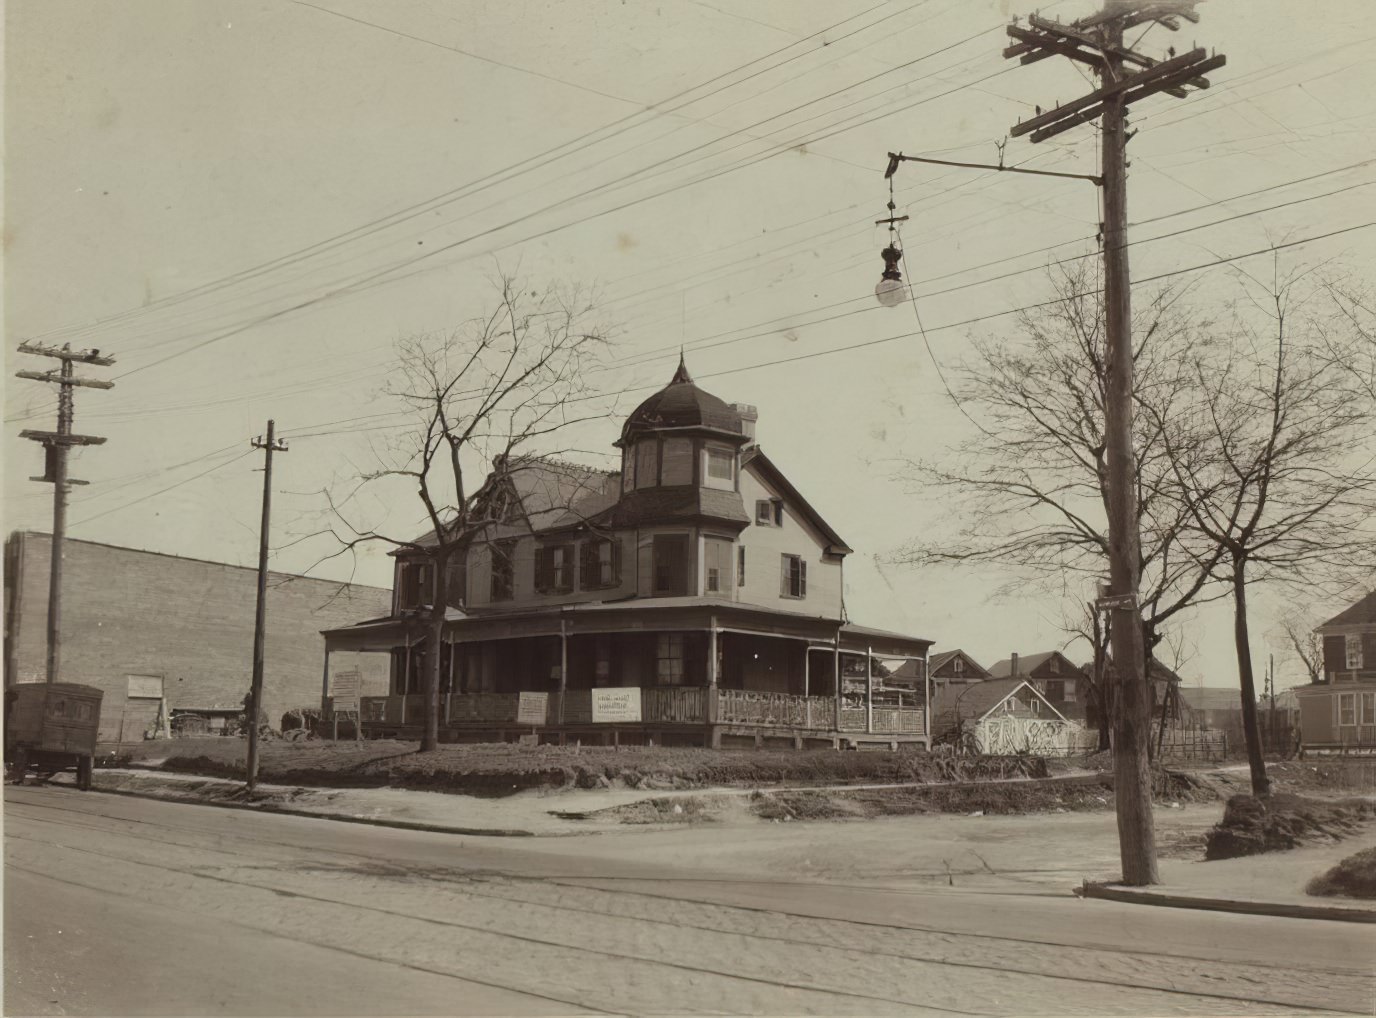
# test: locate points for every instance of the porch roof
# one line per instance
(634, 615)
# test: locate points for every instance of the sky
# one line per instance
(248, 202)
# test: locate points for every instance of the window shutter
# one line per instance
(542, 569)
(740, 566)
(802, 578)
(587, 564)
(783, 575)
(615, 577)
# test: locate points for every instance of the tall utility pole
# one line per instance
(1125, 77)
(269, 445)
(55, 446)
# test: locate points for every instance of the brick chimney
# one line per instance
(1013, 665)
(749, 415)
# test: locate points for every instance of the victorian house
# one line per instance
(692, 598)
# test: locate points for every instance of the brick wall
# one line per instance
(127, 612)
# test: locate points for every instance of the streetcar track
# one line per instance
(446, 923)
(576, 880)
(398, 871)
(321, 944)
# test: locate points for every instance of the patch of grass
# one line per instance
(1354, 877)
(990, 799)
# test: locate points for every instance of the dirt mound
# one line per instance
(1354, 877)
(504, 769)
(985, 798)
(1252, 824)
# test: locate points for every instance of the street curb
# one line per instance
(405, 825)
(1111, 892)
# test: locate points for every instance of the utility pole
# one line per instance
(55, 445)
(1125, 77)
(269, 445)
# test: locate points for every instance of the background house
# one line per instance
(1006, 716)
(160, 632)
(1340, 711)
(1058, 679)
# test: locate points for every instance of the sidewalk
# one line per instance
(1270, 884)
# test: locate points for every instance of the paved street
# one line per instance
(128, 906)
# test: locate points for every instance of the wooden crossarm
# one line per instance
(1141, 91)
(1041, 47)
(1095, 98)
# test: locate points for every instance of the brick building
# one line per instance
(161, 632)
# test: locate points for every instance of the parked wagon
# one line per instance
(51, 727)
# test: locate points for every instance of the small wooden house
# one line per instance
(1003, 717)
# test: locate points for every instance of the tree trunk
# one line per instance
(1261, 785)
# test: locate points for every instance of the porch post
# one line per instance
(807, 700)
(713, 741)
(926, 698)
(563, 666)
(405, 678)
(836, 676)
(325, 682)
(449, 696)
(869, 689)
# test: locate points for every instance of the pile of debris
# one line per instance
(1255, 824)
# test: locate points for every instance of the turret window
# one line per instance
(646, 463)
(677, 465)
(720, 469)
(716, 554)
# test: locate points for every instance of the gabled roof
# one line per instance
(1211, 698)
(1029, 663)
(550, 493)
(1363, 613)
(982, 698)
(754, 456)
(946, 656)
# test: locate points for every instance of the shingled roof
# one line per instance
(980, 698)
(681, 404)
(1363, 613)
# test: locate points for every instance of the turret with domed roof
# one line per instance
(681, 458)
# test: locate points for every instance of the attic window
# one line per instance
(1054, 665)
(769, 512)
(958, 665)
(793, 576)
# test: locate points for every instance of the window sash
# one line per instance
(1347, 708)
(1352, 644)
(502, 586)
(720, 464)
(670, 559)
(793, 576)
(669, 659)
(1369, 708)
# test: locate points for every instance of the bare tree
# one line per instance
(1273, 459)
(490, 399)
(1307, 644)
(1033, 482)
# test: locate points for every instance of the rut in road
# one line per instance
(853, 956)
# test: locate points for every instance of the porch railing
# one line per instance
(784, 710)
(685, 705)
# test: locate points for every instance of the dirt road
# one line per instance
(119, 905)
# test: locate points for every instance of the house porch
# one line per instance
(696, 675)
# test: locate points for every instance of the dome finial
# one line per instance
(681, 376)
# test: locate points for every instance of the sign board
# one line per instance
(145, 687)
(1116, 601)
(530, 740)
(532, 709)
(616, 704)
(345, 690)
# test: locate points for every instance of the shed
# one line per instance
(1002, 717)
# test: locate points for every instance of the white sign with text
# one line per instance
(616, 704)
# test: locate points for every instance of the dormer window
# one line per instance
(503, 555)
(414, 586)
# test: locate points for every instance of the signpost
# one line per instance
(345, 693)
(532, 709)
(1116, 601)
